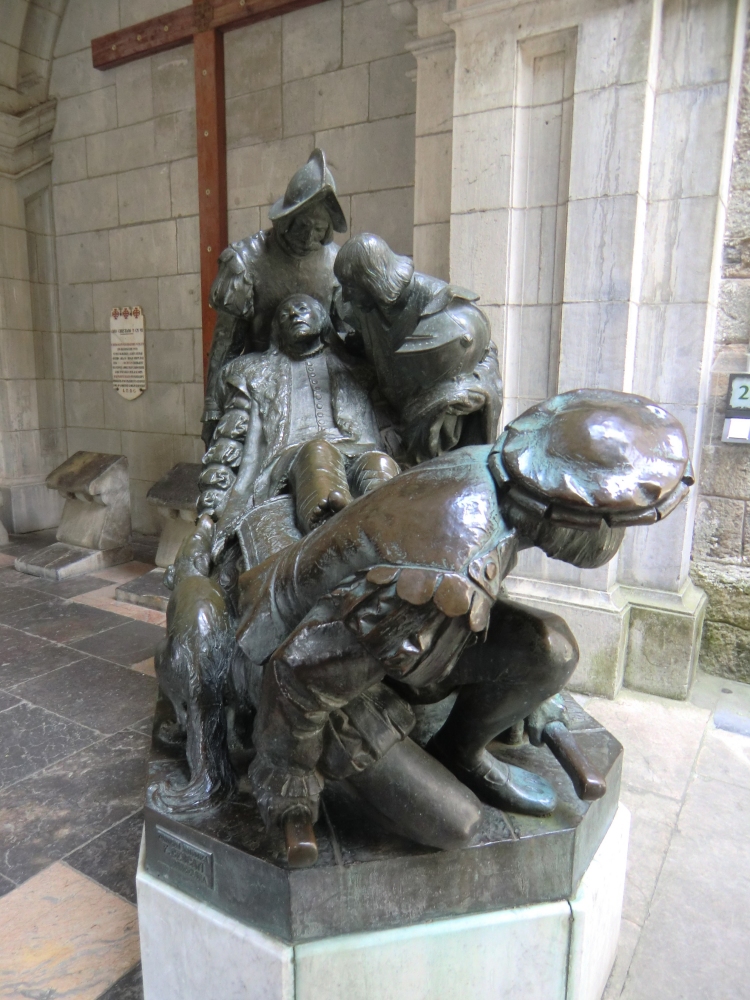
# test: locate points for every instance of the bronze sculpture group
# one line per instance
(357, 519)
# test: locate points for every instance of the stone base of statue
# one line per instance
(530, 909)
(94, 532)
(175, 496)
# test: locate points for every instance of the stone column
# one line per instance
(591, 147)
(32, 426)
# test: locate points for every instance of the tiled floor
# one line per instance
(76, 695)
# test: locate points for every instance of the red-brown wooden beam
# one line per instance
(179, 26)
(210, 122)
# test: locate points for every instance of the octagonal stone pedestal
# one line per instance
(531, 909)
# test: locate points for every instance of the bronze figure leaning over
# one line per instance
(398, 599)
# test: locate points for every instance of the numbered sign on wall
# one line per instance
(126, 330)
(737, 416)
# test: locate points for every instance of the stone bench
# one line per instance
(94, 531)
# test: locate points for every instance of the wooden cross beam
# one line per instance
(203, 23)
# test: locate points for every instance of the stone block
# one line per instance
(611, 165)
(176, 498)
(435, 90)
(86, 114)
(719, 524)
(255, 117)
(147, 591)
(3, 530)
(86, 352)
(159, 410)
(14, 258)
(92, 439)
(179, 302)
(188, 245)
(482, 147)
(69, 163)
(372, 156)
(311, 40)
(432, 249)
(144, 251)
(184, 186)
(84, 20)
(83, 257)
(121, 149)
(663, 650)
(687, 142)
(135, 95)
(696, 44)
(479, 248)
(668, 358)
(728, 592)
(76, 308)
(143, 292)
(84, 404)
(600, 63)
(243, 222)
(17, 358)
(86, 205)
(388, 213)
(145, 519)
(327, 101)
(734, 311)
(173, 80)
(600, 239)
(149, 454)
(369, 34)
(174, 136)
(144, 195)
(257, 175)
(193, 408)
(75, 74)
(94, 531)
(393, 89)
(725, 651)
(252, 57)
(678, 250)
(30, 507)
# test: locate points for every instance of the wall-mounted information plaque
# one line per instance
(737, 417)
(126, 330)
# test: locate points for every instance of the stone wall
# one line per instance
(124, 176)
(721, 550)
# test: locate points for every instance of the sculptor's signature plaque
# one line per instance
(127, 335)
(186, 859)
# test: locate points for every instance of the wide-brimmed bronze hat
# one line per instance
(595, 453)
(312, 183)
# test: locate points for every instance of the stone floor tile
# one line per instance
(144, 726)
(111, 859)
(94, 692)
(6, 885)
(61, 621)
(18, 598)
(32, 541)
(23, 656)
(65, 936)
(54, 811)
(32, 738)
(734, 697)
(128, 643)
(65, 589)
(662, 739)
(130, 987)
(693, 945)
(652, 820)
(629, 934)
(7, 700)
(126, 572)
(145, 667)
(106, 600)
(6, 560)
(706, 690)
(725, 757)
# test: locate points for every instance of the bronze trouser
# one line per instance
(529, 656)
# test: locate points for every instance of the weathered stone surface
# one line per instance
(662, 651)
(725, 471)
(728, 590)
(718, 529)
